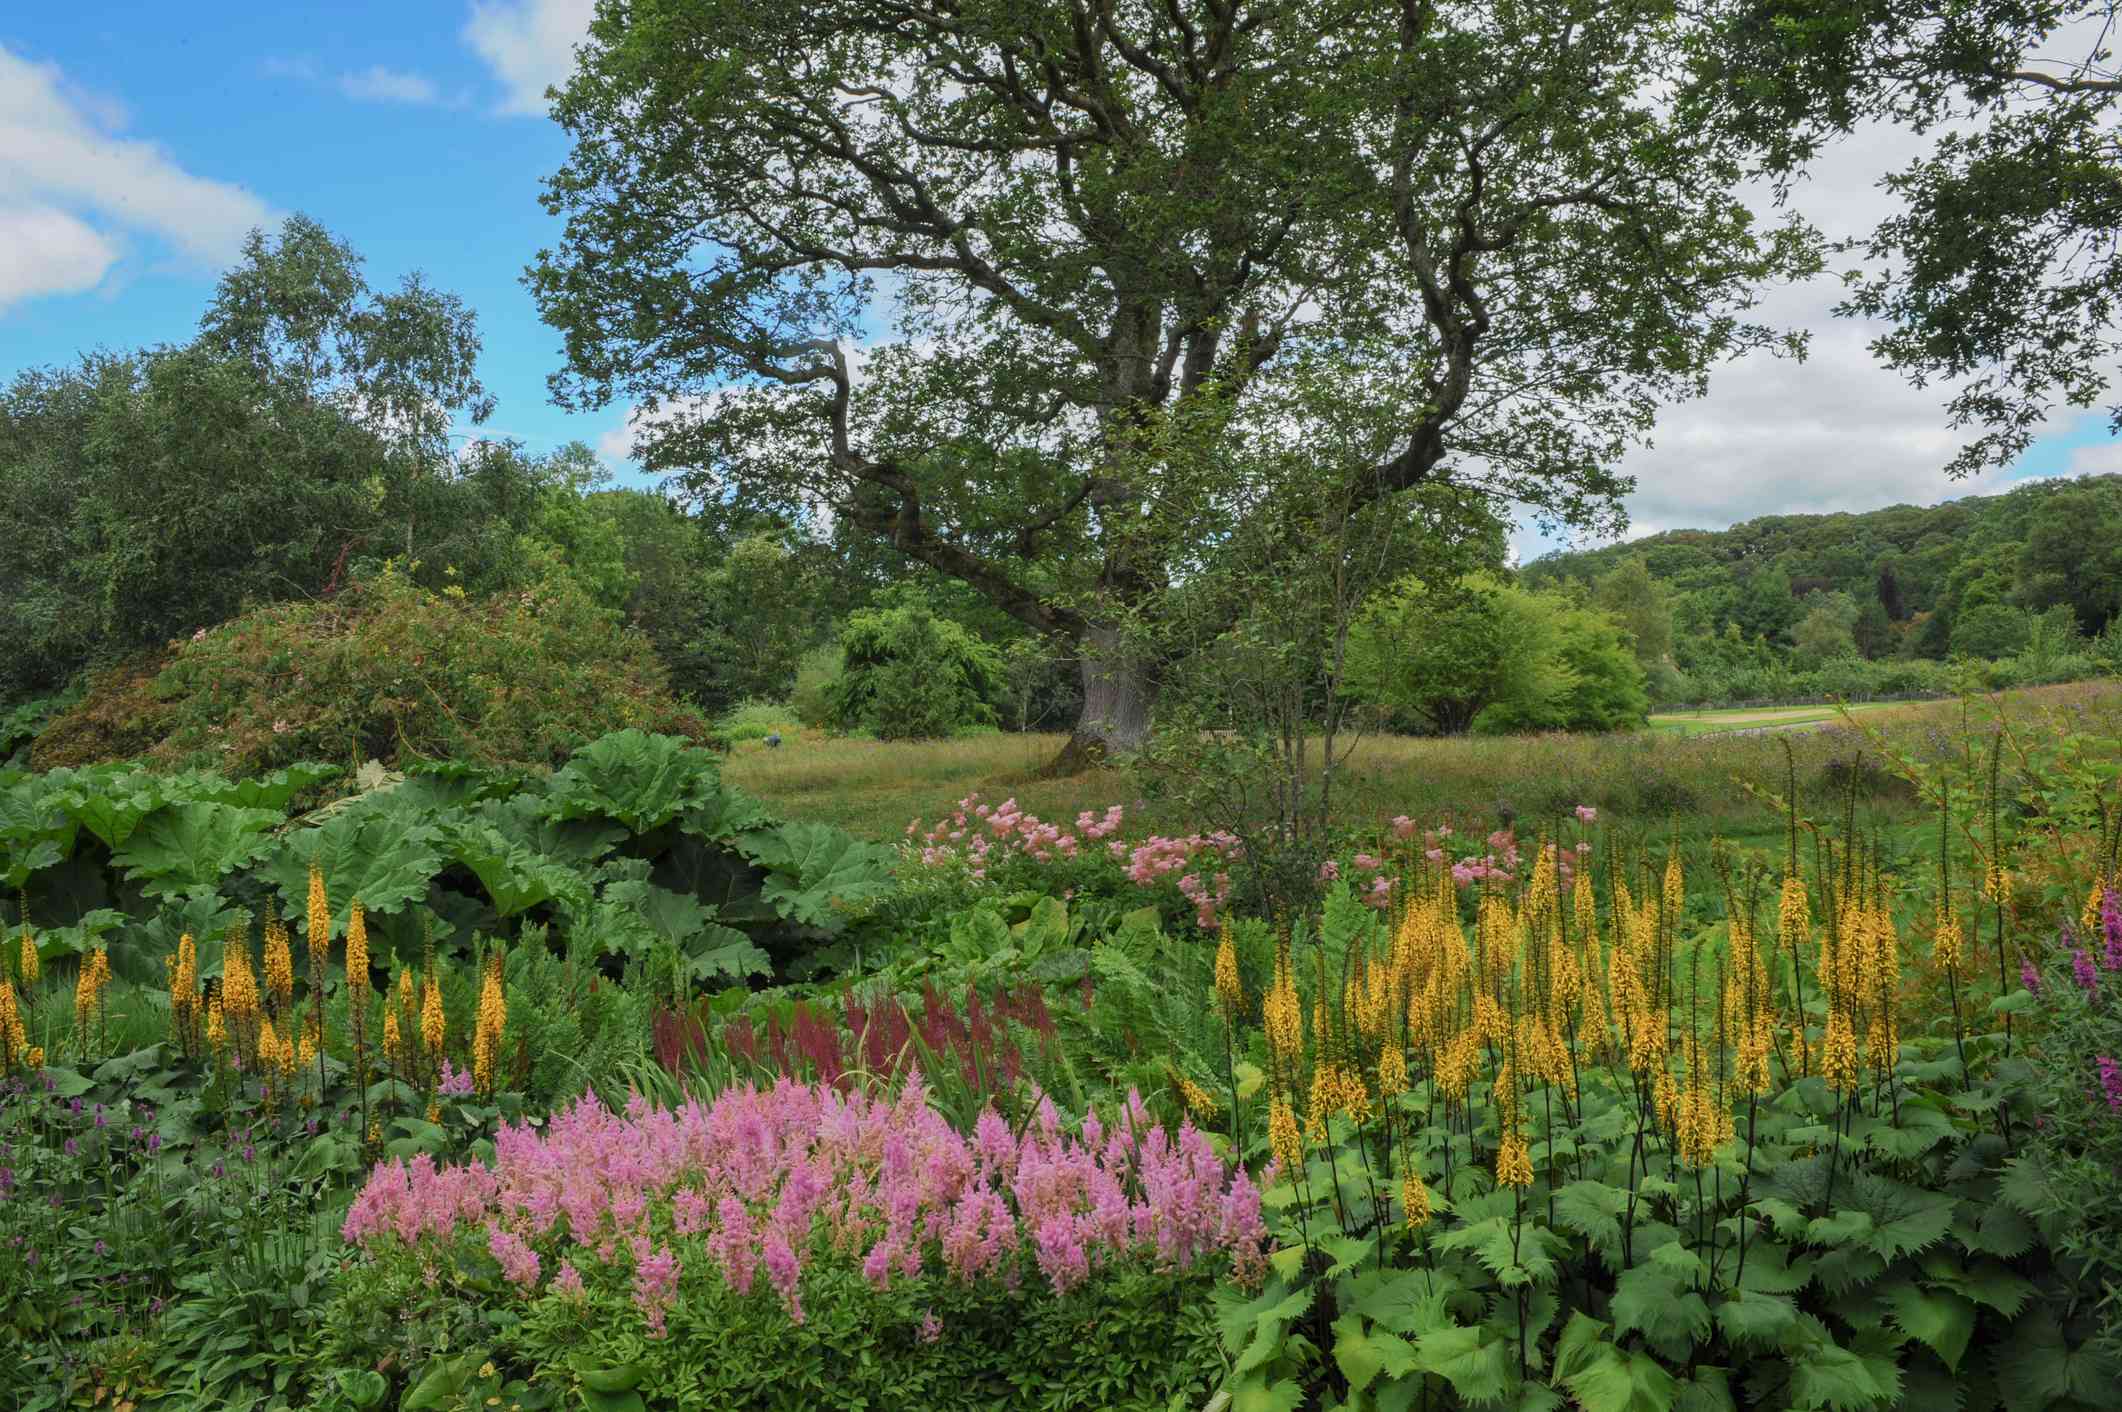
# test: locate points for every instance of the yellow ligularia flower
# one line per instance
(1514, 1161)
(29, 966)
(279, 965)
(1282, 1136)
(320, 919)
(1414, 1199)
(1229, 990)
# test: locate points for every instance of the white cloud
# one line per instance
(380, 85)
(69, 184)
(529, 44)
(2102, 460)
(47, 251)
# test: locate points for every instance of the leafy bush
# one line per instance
(2078, 1139)
(755, 720)
(1489, 655)
(384, 671)
(908, 674)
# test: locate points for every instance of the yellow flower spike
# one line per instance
(1414, 1200)
(33, 1057)
(1838, 1062)
(431, 1019)
(1392, 1072)
(279, 966)
(391, 1043)
(357, 952)
(1674, 897)
(1283, 1139)
(1229, 990)
(320, 918)
(2089, 915)
(1948, 948)
(216, 1026)
(1196, 1099)
(1514, 1161)
(29, 968)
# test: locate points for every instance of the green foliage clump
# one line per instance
(909, 674)
(384, 671)
(1487, 655)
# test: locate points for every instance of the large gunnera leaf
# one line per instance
(642, 780)
(378, 855)
(186, 849)
(819, 875)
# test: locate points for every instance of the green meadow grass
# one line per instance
(1658, 783)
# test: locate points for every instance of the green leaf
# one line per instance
(1282, 1395)
(1593, 1210)
(1657, 1302)
(820, 875)
(378, 854)
(515, 878)
(1945, 1322)
(642, 780)
(1617, 1380)
(363, 1387)
(1747, 1316)
(1362, 1353)
(1825, 1375)
(186, 849)
(1476, 1362)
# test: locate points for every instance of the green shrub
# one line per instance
(756, 720)
(910, 675)
(384, 671)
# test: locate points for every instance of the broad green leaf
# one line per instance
(1259, 1395)
(378, 855)
(819, 875)
(1657, 1302)
(1943, 1321)
(1747, 1316)
(1476, 1362)
(642, 780)
(1362, 1352)
(1593, 1210)
(1617, 1380)
(184, 849)
(515, 878)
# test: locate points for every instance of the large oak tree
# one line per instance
(1012, 284)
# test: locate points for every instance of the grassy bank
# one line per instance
(1700, 776)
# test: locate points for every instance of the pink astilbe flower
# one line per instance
(519, 1263)
(569, 1281)
(775, 1178)
(1587, 813)
(655, 1282)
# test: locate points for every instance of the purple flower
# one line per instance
(2029, 977)
(102, 1250)
(72, 1147)
(2111, 926)
(2081, 968)
(154, 1142)
(2111, 1081)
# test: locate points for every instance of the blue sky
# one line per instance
(139, 141)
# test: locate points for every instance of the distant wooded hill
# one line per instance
(1912, 573)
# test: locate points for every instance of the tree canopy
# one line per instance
(999, 282)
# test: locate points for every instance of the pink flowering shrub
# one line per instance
(774, 1182)
(982, 839)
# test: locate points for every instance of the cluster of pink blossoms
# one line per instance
(978, 835)
(763, 1179)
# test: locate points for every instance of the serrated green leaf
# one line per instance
(377, 854)
(186, 849)
(820, 875)
(644, 781)
(1619, 1380)
(1943, 1321)
(1362, 1352)
(1747, 1316)
(1259, 1395)
(1479, 1366)
(1825, 1376)
(1593, 1210)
